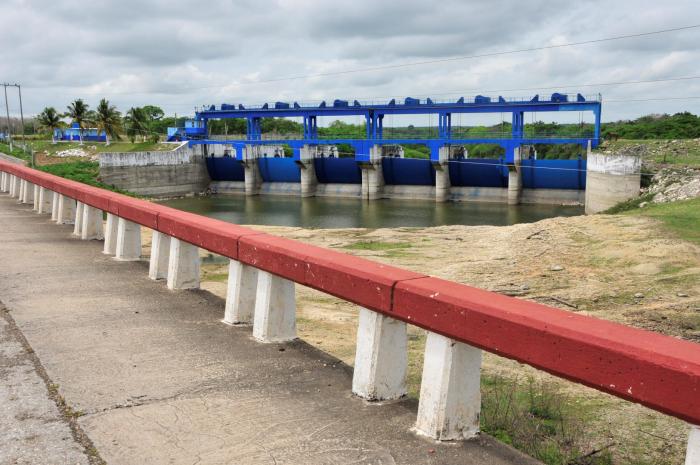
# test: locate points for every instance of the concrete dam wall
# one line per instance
(159, 174)
(599, 182)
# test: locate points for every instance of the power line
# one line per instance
(601, 84)
(652, 99)
(425, 62)
(597, 84)
(482, 55)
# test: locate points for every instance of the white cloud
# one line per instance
(179, 54)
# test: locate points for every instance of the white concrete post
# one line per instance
(22, 191)
(92, 224)
(240, 295)
(3, 182)
(160, 253)
(36, 195)
(515, 179)
(450, 395)
(44, 200)
(374, 174)
(309, 182)
(692, 455)
(66, 210)
(128, 241)
(54, 206)
(183, 265)
(381, 357)
(27, 192)
(78, 223)
(111, 233)
(20, 195)
(15, 185)
(275, 309)
(442, 175)
(251, 172)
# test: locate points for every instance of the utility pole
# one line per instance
(21, 110)
(21, 118)
(5, 85)
(7, 110)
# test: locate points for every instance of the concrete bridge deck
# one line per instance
(153, 376)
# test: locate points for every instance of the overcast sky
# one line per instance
(178, 54)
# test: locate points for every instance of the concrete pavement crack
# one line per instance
(66, 412)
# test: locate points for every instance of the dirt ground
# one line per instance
(622, 268)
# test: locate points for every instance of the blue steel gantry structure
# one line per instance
(374, 113)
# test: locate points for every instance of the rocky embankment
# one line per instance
(672, 184)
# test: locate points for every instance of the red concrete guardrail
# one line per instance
(657, 371)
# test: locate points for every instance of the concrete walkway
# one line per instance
(153, 376)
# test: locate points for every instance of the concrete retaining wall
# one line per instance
(163, 174)
(611, 179)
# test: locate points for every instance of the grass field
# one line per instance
(681, 217)
(49, 148)
(86, 172)
(15, 152)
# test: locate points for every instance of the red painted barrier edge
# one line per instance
(658, 371)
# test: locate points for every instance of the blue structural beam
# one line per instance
(374, 114)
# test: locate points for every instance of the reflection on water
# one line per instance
(324, 212)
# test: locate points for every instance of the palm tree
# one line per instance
(107, 119)
(136, 121)
(50, 119)
(78, 112)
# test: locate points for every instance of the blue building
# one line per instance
(73, 134)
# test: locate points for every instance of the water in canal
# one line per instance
(327, 213)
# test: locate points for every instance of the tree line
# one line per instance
(150, 123)
(146, 123)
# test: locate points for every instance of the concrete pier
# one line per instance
(45, 201)
(160, 256)
(442, 175)
(92, 224)
(78, 221)
(27, 192)
(611, 179)
(309, 182)
(372, 175)
(66, 210)
(111, 233)
(240, 294)
(128, 247)
(253, 179)
(35, 196)
(381, 357)
(275, 309)
(183, 265)
(450, 393)
(55, 198)
(14, 186)
(515, 179)
(20, 193)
